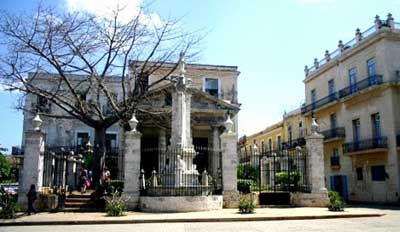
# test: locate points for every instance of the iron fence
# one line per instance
(275, 171)
(177, 171)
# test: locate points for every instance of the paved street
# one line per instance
(390, 222)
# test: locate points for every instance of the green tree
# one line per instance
(5, 166)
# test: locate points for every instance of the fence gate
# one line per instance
(275, 174)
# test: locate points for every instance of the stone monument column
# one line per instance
(32, 172)
(229, 165)
(315, 168)
(215, 162)
(132, 164)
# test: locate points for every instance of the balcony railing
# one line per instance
(337, 132)
(329, 56)
(363, 145)
(350, 90)
(323, 101)
(363, 84)
(294, 143)
(335, 160)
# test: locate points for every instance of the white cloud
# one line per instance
(106, 8)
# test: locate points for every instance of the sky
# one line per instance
(269, 41)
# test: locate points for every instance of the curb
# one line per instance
(187, 220)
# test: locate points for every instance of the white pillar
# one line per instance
(132, 165)
(215, 152)
(32, 172)
(229, 166)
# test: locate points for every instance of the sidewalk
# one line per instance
(225, 215)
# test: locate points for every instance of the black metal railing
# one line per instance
(178, 171)
(274, 171)
(317, 104)
(349, 90)
(338, 132)
(15, 150)
(294, 143)
(362, 145)
(363, 84)
(335, 161)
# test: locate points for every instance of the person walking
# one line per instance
(32, 195)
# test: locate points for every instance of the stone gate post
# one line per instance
(32, 172)
(229, 165)
(132, 164)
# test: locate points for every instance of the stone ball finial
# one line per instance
(316, 63)
(228, 124)
(37, 122)
(314, 126)
(327, 55)
(133, 122)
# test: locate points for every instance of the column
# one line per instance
(132, 164)
(32, 172)
(229, 166)
(215, 162)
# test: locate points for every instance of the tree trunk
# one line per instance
(99, 152)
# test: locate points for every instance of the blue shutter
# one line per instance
(332, 184)
(345, 193)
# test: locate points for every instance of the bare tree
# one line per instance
(79, 54)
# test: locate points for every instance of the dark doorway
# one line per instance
(201, 159)
(339, 184)
(149, 155)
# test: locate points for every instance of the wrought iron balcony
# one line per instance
(364, 145)
(363, 84)
(337, 132)
(335, 160)
(294, 143)
(317, 104)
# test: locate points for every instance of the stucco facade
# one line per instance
(354, 95)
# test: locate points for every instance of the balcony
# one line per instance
(317, 104)
(335, 133)
(363, 84)
(348, 91)
(366, 146)
(335, 162)
(294, 143)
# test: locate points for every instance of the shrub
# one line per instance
(116, 204)
(283, 178)
(335, 201)
(246, 171)
(7, 205)
(245, 185)
(246, 203)
(115, 185)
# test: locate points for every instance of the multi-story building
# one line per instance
(354, 94)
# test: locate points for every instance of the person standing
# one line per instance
(32, 195)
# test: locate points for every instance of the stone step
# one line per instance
(76, 199)
(80, 209)
(76, 204)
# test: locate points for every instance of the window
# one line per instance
(270, 145)
(289, 133)
(376, 125)
(262, 147)
(279, 140)
(111, 141)
(333, 121)
(335, 152)
(42, 104)
(353, 80)
(107, 109)
(313, 95)
(300, 129)
(143, 81)
(211, 86)
(331, 86)
(378, 173)
(356, 130)
(371, 67)
(82, 138)
(359, 172)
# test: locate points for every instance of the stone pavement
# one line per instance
(225, 215)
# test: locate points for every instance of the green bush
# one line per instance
(115, 205)
(245, 185)
(284, 179)
(7, 205)
(335, 201)
(246, 203)
(248, 172)
(116, 185)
